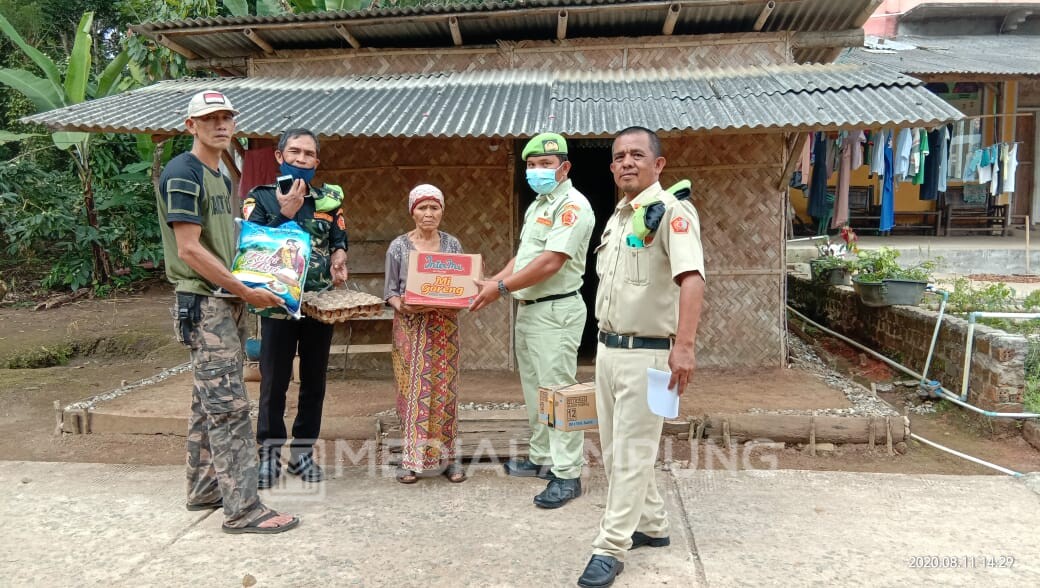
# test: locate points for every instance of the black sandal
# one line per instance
(406, 476)
(455, 473)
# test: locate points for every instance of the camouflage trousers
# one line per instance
(221, 453)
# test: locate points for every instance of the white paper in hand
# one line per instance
(662, 400)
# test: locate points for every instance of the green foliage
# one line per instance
(1031, 394)
(964, 297)
(149, 61)
(42, 217)
(40, 358)
(875, 265)
(1032, 301)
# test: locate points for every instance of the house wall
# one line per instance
(475, 176)
(573, 54)
(741, 211)
(735, 177)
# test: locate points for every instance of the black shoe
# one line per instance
(269, 472)
(306, 469)
(642, 540)
(525, 468)
(558, 493)
(600, 572)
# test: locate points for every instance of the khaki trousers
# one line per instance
(629, 436)
(547, 338)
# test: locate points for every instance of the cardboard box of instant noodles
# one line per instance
(570, 408)
(443, 280)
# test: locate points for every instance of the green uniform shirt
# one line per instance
(190, 192)
(560, 221)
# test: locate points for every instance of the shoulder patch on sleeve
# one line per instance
(680, 225)
(568, 218)
(182, 196)
(342, 224)
(247, 207)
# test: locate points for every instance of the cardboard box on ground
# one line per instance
(442, 280)
(568, 408)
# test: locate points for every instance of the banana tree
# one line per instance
(54, 91)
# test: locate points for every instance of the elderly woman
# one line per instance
(426, 350)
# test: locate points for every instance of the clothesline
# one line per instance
(923, 157)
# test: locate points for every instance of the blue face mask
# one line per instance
(542, 180)
(298, 173)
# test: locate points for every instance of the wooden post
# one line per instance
(86, 420)
(561, 25)
(767, 9)
(888, 435)
(176, 47)
(343, 32)
(725, 434)
(456, 34)
(700, 429)
(812, 435)
(58, 418)
(872, 434)
(671, 18)
(258, 41)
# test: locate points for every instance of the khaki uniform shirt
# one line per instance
(560, 221)
(637, 294)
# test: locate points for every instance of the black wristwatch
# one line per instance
(502, 288)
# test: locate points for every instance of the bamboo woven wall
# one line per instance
(377, 175)
(700, 51)
(735, 190)
(741, 212)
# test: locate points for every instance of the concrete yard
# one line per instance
(95, 524)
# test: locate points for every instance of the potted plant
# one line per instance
(836, 260)
(881, 281)
(835, 270)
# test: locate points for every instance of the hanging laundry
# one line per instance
(915, 156)
(985, 169)
(966, 140)
(994, 184)
(944, 158)
(877, 152)
(971, 168)
(930, 172)
(818, 207)
(888, 209)
(858, 140)
(922, 154)
(1012, 168)
(841, 200)
(901, 153)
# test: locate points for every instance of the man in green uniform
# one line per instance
(198, 234)
(545, 278)
(648, 305)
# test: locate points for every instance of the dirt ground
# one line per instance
(111, 342)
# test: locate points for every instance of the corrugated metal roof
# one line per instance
(935, 10)
(999, 55)
(511, 103)
(486, 23)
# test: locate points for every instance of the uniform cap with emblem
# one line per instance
(545, 144)
(209, 101)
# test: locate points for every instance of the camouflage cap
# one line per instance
(545, 144)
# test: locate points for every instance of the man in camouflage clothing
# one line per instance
(317, 211)
(198, 233)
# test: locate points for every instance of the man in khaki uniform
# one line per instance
(648, 305)
(546, 278)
